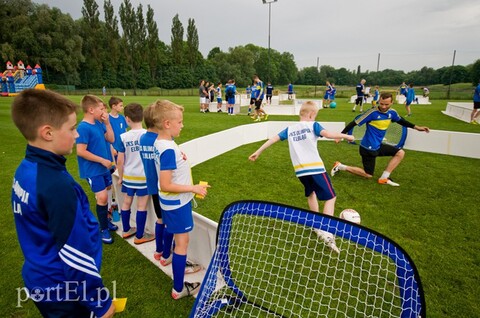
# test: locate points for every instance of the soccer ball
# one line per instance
(333, 105)
(350, 215)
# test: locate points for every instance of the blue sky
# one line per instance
(346, 33)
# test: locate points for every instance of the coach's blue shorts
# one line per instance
(101, 182)
(134, 192)
(321, 184)
(179, 220)
(231, 100)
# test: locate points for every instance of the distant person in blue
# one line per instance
(260, 92)
(253, 96)
(230, 91)
(219, 97)
(376, 96)
(360, 88)
(333, 92)
(269, 90)
(410, 98)
(377, 120)
(290, 91)
(476, 105)
(93, 159)
(327, 95)
(403, 89)
(56, 229)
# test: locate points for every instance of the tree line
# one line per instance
(92, 52)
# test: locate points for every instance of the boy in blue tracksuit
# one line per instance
(57, 232)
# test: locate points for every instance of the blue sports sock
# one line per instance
(141, 220)
(102, 214)
(178, 268)
(167, 243)
(126, 220)
(159, 229)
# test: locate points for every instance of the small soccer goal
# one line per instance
(269, 262)
(396, 135)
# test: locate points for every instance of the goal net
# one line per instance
(270, 263)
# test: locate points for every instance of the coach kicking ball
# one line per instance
(377, 121)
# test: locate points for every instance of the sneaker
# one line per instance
(266, 116)
(335, 168)
(191, 268)
(258, 119)
(129, 233)
(389, 182)
(166, 261)
(147, 237)
(188, 290)
(157, 255)
(111, 226)
(106, 237)
(331, 244)
(474, 122)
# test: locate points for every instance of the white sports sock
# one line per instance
(342, 167)
(385, 175)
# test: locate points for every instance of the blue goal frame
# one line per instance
(409, 283)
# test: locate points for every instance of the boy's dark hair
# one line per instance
(90, 101)
(386, 95)
(134, 111)
(33, 108)
(114, 101)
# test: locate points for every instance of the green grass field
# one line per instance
(433, 215)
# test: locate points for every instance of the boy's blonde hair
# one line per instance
(308, 107)
(33, 108)
(156, 113)
(90, 101)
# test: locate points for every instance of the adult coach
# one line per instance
(377, 121)
(202, 92)
(476, 105)
(360, 88)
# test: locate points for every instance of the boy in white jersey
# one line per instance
(132, 176)
(309, 168)
(176, 192)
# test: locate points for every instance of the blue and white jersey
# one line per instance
(57, 232)
(302, 143)
(328, 92)
(290, 88)
(377, 125)
(149, 155)
(376, 96)
(119, 126)
(403, 89)
(93, 135)
(219, 92)
(133, 172)
(171, 158)
(360, 90)
(476, 94)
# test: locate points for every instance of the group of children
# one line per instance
(207, 94)
(60, 238)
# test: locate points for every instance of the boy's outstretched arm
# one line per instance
(267, 144)
(336, 135)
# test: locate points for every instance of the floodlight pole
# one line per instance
(269, 2)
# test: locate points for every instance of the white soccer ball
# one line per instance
(350, 215)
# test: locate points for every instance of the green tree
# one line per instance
(112, 52)
(153, 44)
(91, 32)
(129, 23)
(177, 40)
(475, 73)
(192, 43)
